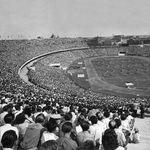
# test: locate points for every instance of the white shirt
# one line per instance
(97, 131)
(100, 123)
(106, 122)
(48, 136)
(120, 148)
(5, 128)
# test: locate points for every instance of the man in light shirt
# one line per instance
(7, 126)
(96, 130)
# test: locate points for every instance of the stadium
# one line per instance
(70, 71)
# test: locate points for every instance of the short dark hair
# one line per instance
(27, 111)
(49, 145)
(109, 139)
(51, 126)
(85, 125)
(20, 118)
(67, 127)
(9, 118)
(106, 114)
(118, 123)
(9, 138)
(68, 116)
(123, 116)
(93, 119)
(89, 145)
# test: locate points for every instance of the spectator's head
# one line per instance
(118, 123)
(9, 138)
(99, 115)
(17, 107)
(136, 130)
(68, 116)
(6, 108)
(48, 109)
(39, 109)
(27, 111)
(106, 114)
(9, 118)
(123, 117)
(115, 115)
(88, 145)
(20, 118)
(51, 126)
(40, 118)
(49, 145)
(85, 126)
(67, 127)
(109, 140)
(93, 119)
(112, 124)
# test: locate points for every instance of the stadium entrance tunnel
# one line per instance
(116, 75)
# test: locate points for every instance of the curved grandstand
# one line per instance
(99, 70)
(95, 73)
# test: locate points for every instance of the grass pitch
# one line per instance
(116, 75)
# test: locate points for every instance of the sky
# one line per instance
(73, 18)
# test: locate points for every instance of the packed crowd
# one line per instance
(51, 125)
(20, 102)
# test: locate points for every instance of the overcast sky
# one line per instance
(74, 17)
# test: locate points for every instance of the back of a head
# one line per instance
(51, 126)
(20, 118)
(40, 118)
(27, 111)
(85, 126)
(88, 145)
(118, 123)
(123, 116)
(93, 119)
(49, 145)
(9, 118)
(112, 124)
(109, 140)
(67, 127)
(5, 108)
(8, 139)
(68, 116)
(106, 114)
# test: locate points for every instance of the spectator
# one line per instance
(9, 140)
(136, 136)
(87, 145)
(142, 110)
(21, 124)
(34, 133)
(50, 134)
(109, 140)
(99, 116)
(49, 145)
(9, 118)
(66, 142)
(120, 135)
(2, 115)
(106, 118)
(96, 130)
(85, 134)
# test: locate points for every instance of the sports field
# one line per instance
(117, 75)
